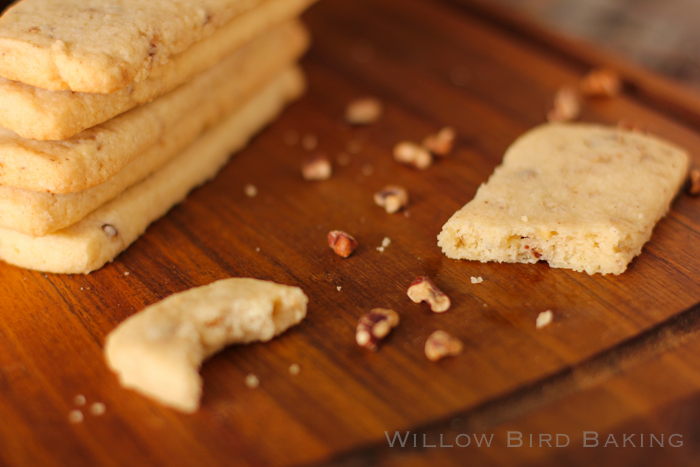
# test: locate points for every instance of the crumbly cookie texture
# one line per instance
(36, 113)
(579, 196)
(99, 237)
(178, 117)
(100, 46)
(159, 350)
(96, 155)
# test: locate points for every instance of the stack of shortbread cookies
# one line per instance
(112, 111)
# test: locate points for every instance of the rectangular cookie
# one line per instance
(110, 229)
(36, 113)
(95, 155)
(579, 196)
(40, 213)
(101, 46)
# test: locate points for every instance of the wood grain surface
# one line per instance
(619, 345)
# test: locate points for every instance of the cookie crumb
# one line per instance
(97, 409)
(477, 280)
(544, 319)
(364, 111)
(257, 249)
(126, 273)
(252, 381)
(250, 191)
(385, 243)
(294, 369)
(409, 153)
(75, 416)
(79, 400)
(338, 288)
(309, 142)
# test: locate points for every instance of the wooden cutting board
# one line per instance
(432, 63)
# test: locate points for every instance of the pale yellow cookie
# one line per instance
(36, 113)
(579, 196)
(110, 229)
(102, 45)
(158, 351)
(97, 155)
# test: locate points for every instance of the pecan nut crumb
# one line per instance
(316, 167)
(423, 289)
(342, 243)
(442, 142)
(544, 319)
(601, 82)
(440, 344)
(375, 326)
(392, 198)
(567, 105)
(694, 182)
(110, 230)
(412, 154)
(364, 111)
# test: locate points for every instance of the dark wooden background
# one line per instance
(621, 356)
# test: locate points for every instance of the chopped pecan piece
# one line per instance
(392, 198)
(567, 105)
(412, 154)
(317, 167)
(694, 182)
(423, 289)
(342, 243)
(441, 143)
(375, 326)
(440, 344)
(601, 82)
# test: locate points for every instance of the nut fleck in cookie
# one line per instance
(579, 196)
(158, 351)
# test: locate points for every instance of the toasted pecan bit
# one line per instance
(423, 289)
(375, 326)
(412, 154)
(601, 82)
(364, 111)
(567, 105)
(342, 243)
(316, 167)
(392, 198)
(544, 319)
(110, 230)
(442, 142)
(440, 345)
(694, 182)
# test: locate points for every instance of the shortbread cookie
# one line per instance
(93, 156)
(36, 113)
(158, 351)
(40, 213)
(579, 196)
(100, 45)
(107, 231)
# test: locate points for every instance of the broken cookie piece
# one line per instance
(579, 196)
(158, 351)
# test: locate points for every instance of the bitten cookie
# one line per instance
(579, 196)
(158, 351)
(110, 229)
